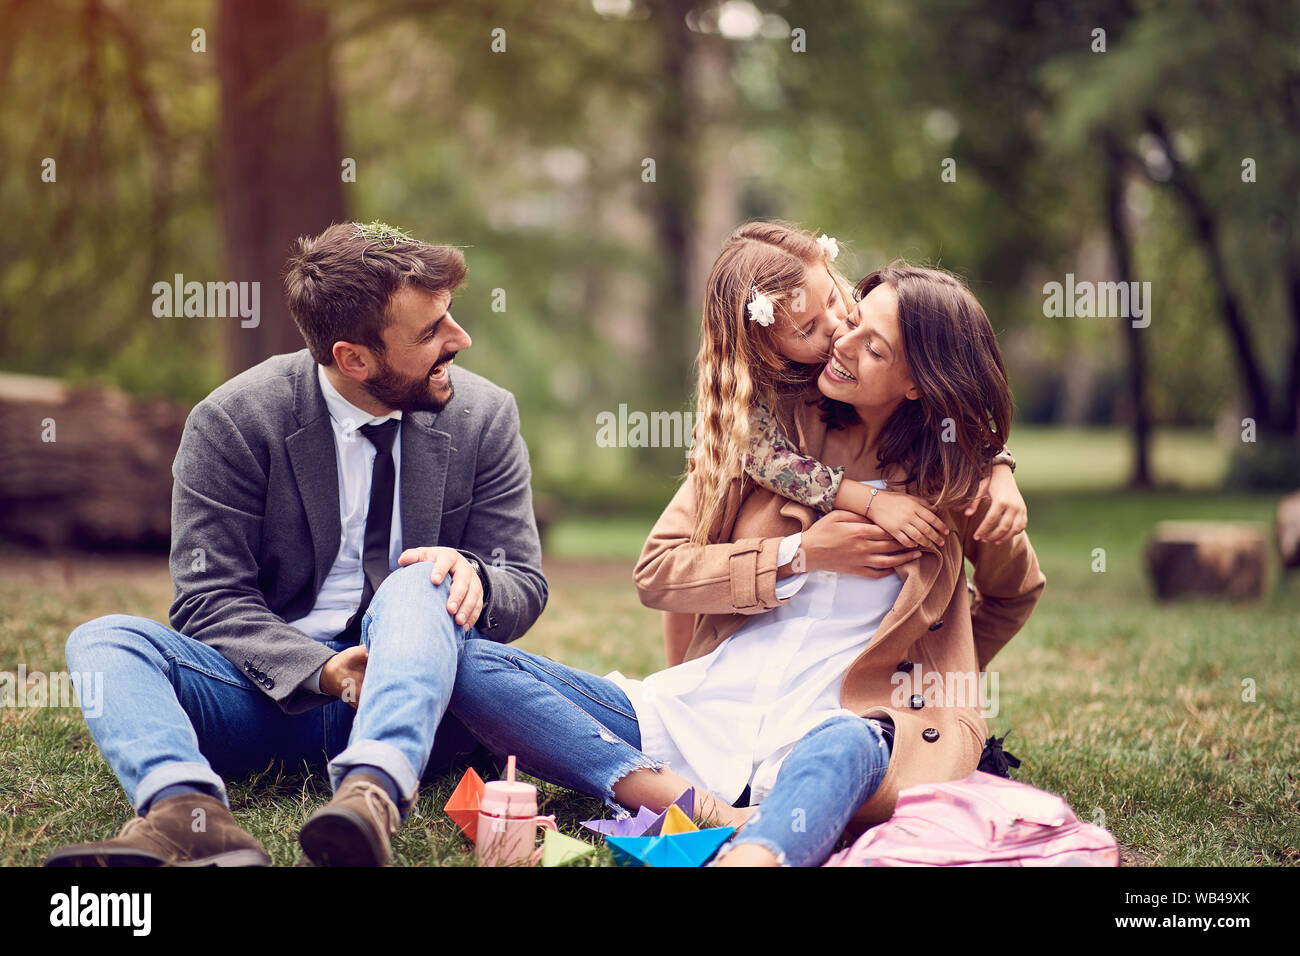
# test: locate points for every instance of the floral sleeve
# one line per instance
(1004, 457)
(773, 463)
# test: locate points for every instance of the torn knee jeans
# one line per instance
(562, 724)
(828, 775)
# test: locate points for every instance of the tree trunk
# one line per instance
(1207, 233)
(1121, 249)
(1291, 374)
(673, 198)
(279, 155)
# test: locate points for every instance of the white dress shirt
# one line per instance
(340, 594)
(729, 719)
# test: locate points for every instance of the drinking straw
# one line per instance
(510, 768)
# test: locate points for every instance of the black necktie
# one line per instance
(379, 518)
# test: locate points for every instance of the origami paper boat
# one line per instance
(646, 822)
(674, 849)
(558, 849)
(628, 826)
(676, 822)
(462, 807)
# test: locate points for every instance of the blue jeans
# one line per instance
(175, 710)
(580, 731)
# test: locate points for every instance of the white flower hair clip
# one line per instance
(760, 309)
(829, 246)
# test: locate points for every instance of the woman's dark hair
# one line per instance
(944, 440)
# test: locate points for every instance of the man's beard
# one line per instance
(406, 394)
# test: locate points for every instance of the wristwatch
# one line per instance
(472, 559)
(1004, 457)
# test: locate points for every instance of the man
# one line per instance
(343, 518)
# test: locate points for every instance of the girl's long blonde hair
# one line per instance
(739, 363)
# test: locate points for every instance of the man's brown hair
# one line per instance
(339, 284)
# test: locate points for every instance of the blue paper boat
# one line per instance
(676, 849)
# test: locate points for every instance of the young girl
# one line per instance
(754, 363)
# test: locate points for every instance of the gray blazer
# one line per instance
(255, 514)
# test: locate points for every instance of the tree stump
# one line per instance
(86, 467)
(1206, 558)
(1288, 530)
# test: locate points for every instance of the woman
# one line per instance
(777, 678)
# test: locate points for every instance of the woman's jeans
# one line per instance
(580, 731)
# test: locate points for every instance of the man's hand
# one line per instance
(848, 543)
(342, 674)
(466, 599)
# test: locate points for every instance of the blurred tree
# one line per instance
(279, 159)
(104, 124)
(1121, 242)
(520, 133)
(1209, 99)
(676, 191)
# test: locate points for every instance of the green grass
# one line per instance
(1067, 459)
(1129, 708)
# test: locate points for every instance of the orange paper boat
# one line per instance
(463, 805)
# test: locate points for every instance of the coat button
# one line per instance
(930, 735)
(905, 666)
(936, 625)
(916, 702)
(268, 683)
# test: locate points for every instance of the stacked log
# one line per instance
(85, 467)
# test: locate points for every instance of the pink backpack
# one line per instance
(981, 821)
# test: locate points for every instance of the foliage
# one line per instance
(531, 159)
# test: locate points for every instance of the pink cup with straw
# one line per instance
(508, 822)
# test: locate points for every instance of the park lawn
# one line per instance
(56, 789)
(1130, 709)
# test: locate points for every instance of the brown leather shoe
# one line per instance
(166, 836)
(353, 828)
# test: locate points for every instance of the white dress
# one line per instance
(730, 718)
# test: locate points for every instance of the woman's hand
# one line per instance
(1007, 515)
(908, 519)
(848, 543)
